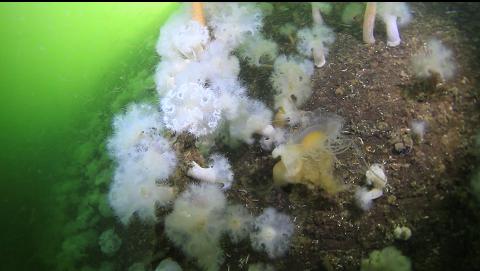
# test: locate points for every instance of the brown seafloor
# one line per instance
(372, 88)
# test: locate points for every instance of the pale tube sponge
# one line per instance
(219, 171)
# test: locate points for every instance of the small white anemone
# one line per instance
(166, 73)
(272, 137)
(168, 265)
(133, 128)
(378, 180)
(131, 194)
(419, 128)
(152, 160)
(272, 233)
(291, 80)
(109, 242)
(260, 267)
(257, 48)
(217, 67)
(314, 41)
(182, 38)
(251, 117)
(376, 176)
(239, 222)
(365, 197)
(232, 23)
(219, 171)
(435, 58)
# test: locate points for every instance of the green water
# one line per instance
(65, 69)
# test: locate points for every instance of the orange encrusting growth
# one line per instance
(313, 167)
(197, 10)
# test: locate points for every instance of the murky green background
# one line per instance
(61, 67)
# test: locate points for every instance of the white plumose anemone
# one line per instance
(197, 223)
(166, 74)
(291, 80)
(435, 58)
(257, 48)
(144, 158)
(182, 38)
(191, 108)
(130, 194)
(232, 23)
(130, 130)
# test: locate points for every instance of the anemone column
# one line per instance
(318, 51)
(393, 36)
(369, 22)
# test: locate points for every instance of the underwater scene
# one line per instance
(240, 136)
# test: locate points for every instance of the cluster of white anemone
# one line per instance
(200, 92)
(144, 159)
(197, 79)
(199, 89)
